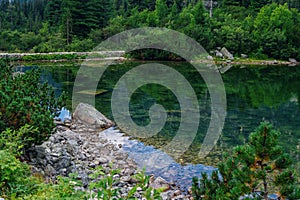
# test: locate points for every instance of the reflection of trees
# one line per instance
(253, 94)
(261, 86)
(65, 76)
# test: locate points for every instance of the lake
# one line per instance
(254, 94)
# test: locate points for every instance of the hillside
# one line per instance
(261, 29)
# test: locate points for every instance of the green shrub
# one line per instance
(259, 166)
(103, 186)
(14, 140)
(148, 192)
(80, 45)
(14, 176)
(24, 100)
(64, 188)
(16, 182)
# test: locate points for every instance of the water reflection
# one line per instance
(253, 94)
(156, 161)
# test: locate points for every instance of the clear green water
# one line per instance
(254, 93)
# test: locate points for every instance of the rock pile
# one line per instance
(223, 53)
(77, 147)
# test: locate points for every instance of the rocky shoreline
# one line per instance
(218, 57)
(77, 146)
(96, 54)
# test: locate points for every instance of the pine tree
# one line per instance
(199, 13)
(53, 11)
(258, 168)
(173, 16)
(161, 10)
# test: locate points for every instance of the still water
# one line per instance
(254, 94)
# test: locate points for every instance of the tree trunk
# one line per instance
(211, 8)
(265, 190)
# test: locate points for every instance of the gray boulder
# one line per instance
(292, 60)
(226, 53)
(18, 73)
(219, 54)
(56, 156)
(209, 57)
(244, 55)
(160, 183)
(91, 117)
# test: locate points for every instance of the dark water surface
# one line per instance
(254, 94)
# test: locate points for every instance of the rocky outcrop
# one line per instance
(88, 115)
(219, 54)
(226, 53)
(223, 53)
(292, 60)
(79, 147)
(79, 151)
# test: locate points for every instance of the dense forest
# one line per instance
(260, 28)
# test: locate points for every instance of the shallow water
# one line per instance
(254, 93)
(155, 161)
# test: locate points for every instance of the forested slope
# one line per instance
(259, 28)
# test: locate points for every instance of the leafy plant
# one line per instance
(257, 168)
(104, 187)
(64, 188)
(14, 140)
(103, 184)
(144, 184)
(14, 176)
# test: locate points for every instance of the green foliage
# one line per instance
(81, 45)
(262, 29)
(143, 182)
(161, 11)
(10, 40)
(16, 182)
(272, 26)
(24, 100)
(52, 43)
(14, 140)
(64, 188)
(14, 176)
(104, 187)
(258, 166)
(29, 40)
